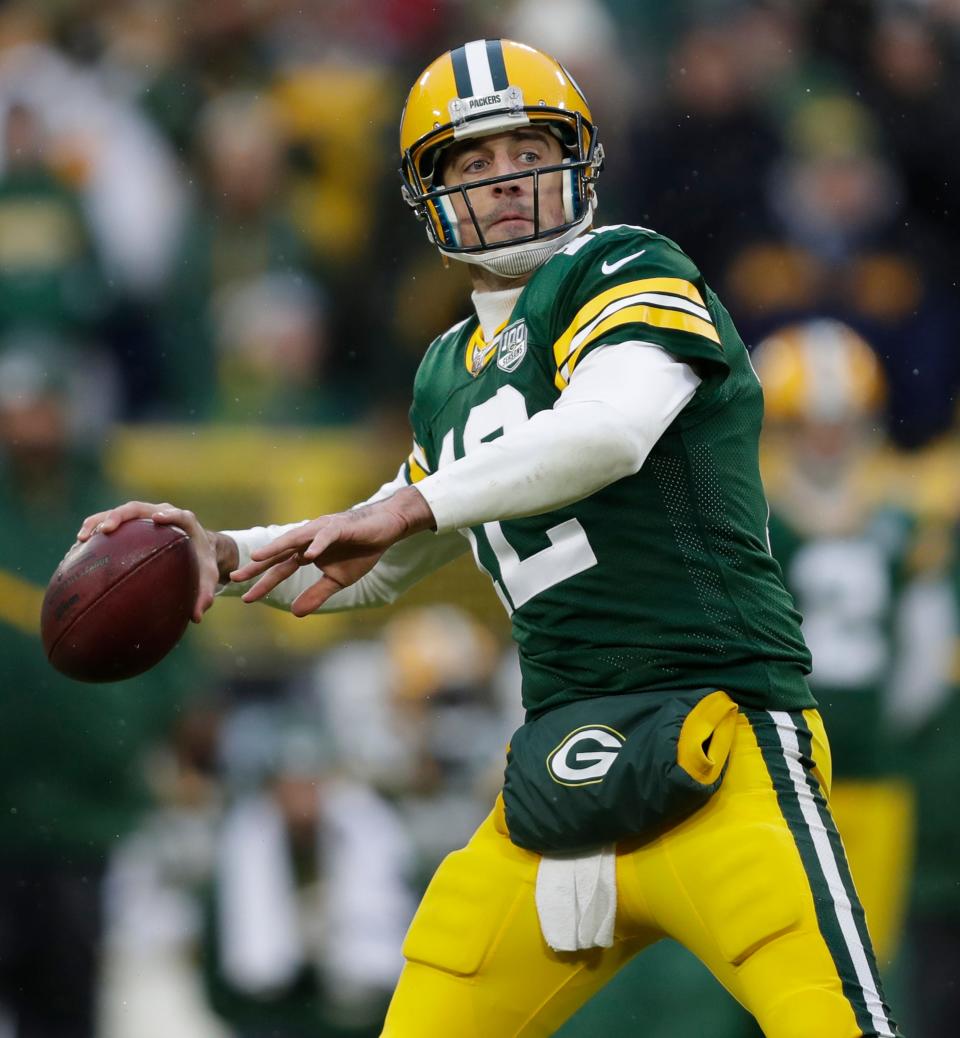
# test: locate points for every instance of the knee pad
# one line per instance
(467, 904)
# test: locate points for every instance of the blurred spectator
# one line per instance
(153, 915)
(310, 897)
(72, 758)
(238, 233)
(422, 713)
(337, 101)
(82, 149)
(270, 338)
(912, 85)
(832, 243)
(700, 156)
(130, 187)
(50, 276)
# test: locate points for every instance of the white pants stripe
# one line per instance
(787, 732)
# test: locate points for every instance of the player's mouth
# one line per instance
(510, 224)
(512, 217)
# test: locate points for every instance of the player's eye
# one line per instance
(475, 165)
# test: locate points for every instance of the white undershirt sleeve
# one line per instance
(620, 400)
(399, 568)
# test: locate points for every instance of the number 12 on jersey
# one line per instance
(569, 551)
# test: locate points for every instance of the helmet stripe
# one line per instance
(461, 72)
(498, 68)
(480, 74)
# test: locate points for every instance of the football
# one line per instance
(118, 603)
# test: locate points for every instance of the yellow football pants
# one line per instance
(876, 818)
(755, 884)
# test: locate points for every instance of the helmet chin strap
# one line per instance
(513, 261)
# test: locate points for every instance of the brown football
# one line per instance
(118, 603)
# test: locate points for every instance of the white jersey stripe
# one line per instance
(787, 732)
(481, 78)
(675, 303)
(648, 298)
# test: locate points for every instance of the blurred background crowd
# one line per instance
(212, 293)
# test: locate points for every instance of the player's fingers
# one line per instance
(253, 569)
(310, 600)
(293, 540)
(108, 520)
(203, 603)
(168, 515)
(275, 575)
(328, 535)
(90, 524)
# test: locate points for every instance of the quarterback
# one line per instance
(591, 434)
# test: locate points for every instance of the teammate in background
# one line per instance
(847, 554)
(592, 433)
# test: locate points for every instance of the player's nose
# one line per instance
(503, 165)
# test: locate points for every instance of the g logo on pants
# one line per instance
(589, 764)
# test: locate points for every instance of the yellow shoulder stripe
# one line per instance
(635, 315)
(417, 471)
(20, 603)
(566, 350)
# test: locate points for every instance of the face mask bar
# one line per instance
(464, 191)
(419, 200)
(439, 195)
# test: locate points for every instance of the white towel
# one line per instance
(577, 899)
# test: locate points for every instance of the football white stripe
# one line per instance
(787, 732)
(481, 78)
(651, 298)
(676, 303)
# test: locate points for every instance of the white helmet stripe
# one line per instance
(481, 75)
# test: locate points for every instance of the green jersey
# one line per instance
(848, 589)
(662, 580)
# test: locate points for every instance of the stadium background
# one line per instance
(211, 293)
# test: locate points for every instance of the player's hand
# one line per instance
(203, 541)
(343, 546)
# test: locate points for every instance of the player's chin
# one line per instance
(508, 230)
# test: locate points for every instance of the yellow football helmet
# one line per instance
(488, 87)
(819, 371)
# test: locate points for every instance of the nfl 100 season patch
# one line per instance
(509, 346)
(513, 346)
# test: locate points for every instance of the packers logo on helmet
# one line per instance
(490, 87)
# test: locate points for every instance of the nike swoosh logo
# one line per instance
(612, 268)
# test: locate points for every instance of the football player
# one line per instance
(591, 431)
(848, 554)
